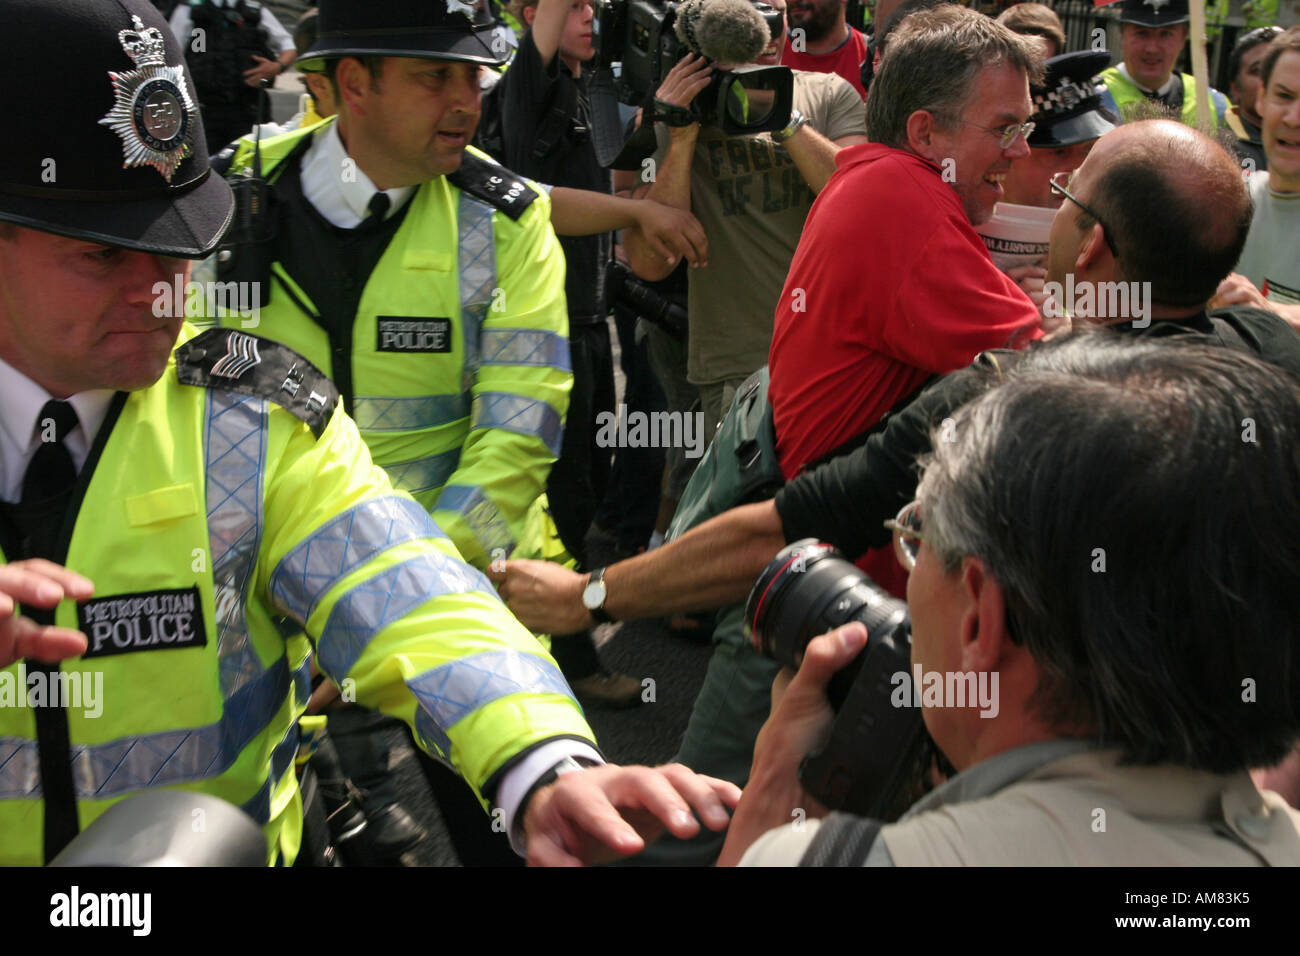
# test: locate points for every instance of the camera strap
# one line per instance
(671, 115)
(841, 840)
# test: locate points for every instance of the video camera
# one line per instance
(648, 37)
(878, 758)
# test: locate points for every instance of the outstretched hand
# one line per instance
(38, 583)
(602, 813)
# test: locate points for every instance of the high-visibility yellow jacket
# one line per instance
(471, 425)
(227, 506)
(1121, 94)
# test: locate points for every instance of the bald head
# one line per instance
(1174, 204)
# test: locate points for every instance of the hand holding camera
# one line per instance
(800, 722)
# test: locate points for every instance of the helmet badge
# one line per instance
(153, 114)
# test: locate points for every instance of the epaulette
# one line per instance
(494, 184)
(251, 365)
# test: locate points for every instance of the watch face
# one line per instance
(593, 595)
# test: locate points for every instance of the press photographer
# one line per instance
(647, 38)
(1132, 591)
(752, 195)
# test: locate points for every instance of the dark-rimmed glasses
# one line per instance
(1059, 182)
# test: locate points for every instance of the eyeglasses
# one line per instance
(907, 534)
(1008, 132)
(1058, 182)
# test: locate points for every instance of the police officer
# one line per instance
(172, 500)
(1068, 118)
(234, 49)
(1153, 33)
(442, 318)
(422, 277)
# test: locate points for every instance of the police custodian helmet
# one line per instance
(104, 140)
(428, 29)
(1067, 104)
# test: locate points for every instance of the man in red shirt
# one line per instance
(890, 284)
(821, 41)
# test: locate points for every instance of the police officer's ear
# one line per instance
(355, 84)
(322, 93)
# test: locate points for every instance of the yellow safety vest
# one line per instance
(213, 522)
(1121, 95)
(471, 422)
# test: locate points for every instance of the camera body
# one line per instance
(878, 757)
(625, 287)
(639, 35)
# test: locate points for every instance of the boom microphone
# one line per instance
(725, 31)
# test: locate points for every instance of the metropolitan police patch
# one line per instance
(153, 113)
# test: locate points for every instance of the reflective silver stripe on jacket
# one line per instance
(342, 545)
(382, 413)
(168, 757)
(476, 253)
(423, 474)
(519, 414)
(525, 347)
(453, 690)
(481, 514)
(234, 439)
(370, 607)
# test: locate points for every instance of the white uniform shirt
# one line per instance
(20, 428)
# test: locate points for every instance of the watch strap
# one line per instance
(797, 122)
(599, 613)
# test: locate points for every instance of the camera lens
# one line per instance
(807, 590)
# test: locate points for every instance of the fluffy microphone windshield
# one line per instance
(726, 31)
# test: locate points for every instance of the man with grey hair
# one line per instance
(868, 315)
(1123, 696)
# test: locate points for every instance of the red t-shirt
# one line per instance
(846, 60)
(889, 285)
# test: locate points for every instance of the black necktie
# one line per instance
(47, 491)
(51, 473)
(378, 207)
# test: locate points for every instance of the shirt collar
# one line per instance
(1164, 90)
(24, 399)
(998, 772)
(343, 200)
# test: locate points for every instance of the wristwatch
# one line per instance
(593, 597)
(797, 122)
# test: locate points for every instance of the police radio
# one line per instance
(252, 221)
(248, 249)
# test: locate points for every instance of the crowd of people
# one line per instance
(1014, 329)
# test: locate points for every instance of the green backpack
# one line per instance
(740, 465)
